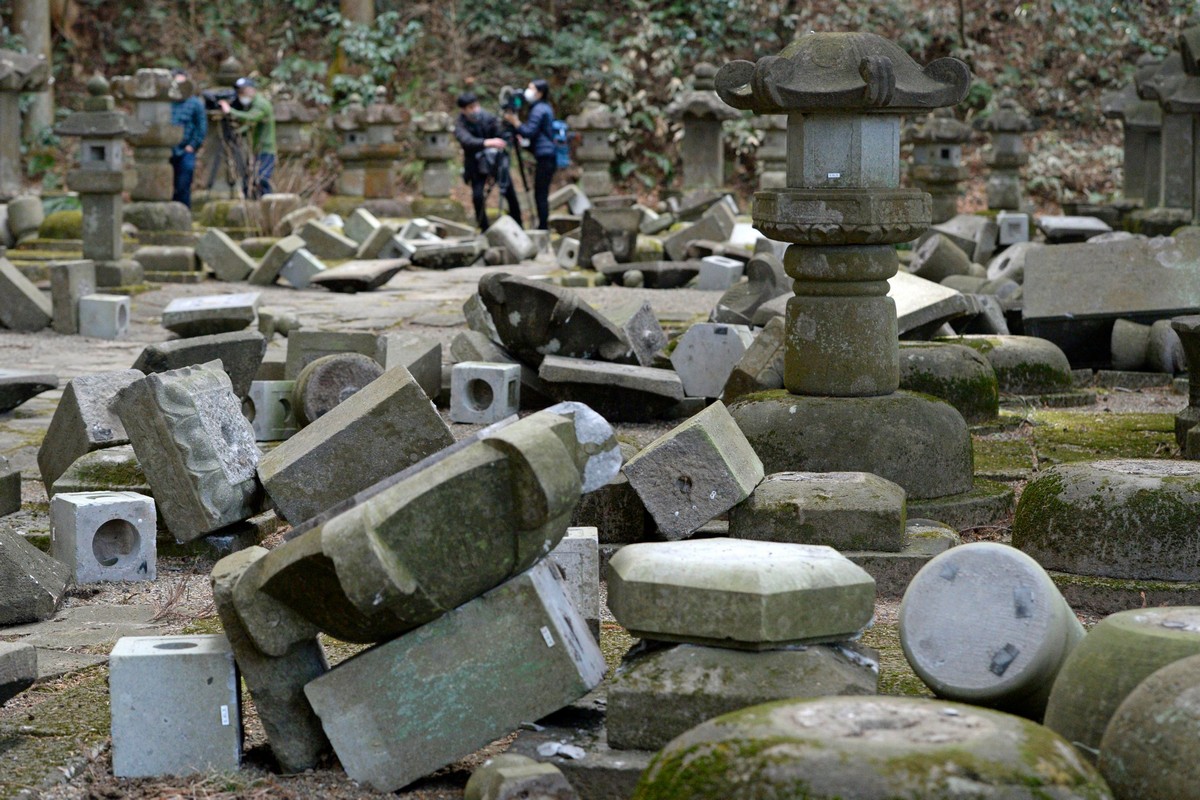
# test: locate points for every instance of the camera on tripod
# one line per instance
(213, 98)
(511, 99)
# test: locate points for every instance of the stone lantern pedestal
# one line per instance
(595, 124)
(1007, 124)
(437, 148)
(703, 114)
(101, 179)
(19, 73)
(843, 211)
(937, 160)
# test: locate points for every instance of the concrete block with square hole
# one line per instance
(104, 536)
(482, 392)
(175, 704)
(104, 316)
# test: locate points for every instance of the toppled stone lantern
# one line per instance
(437, 148)
(100, 179)
(772, 153)
(368, 150)
(1141, 124)
(702, 113)
(843, 211)
(1007, 125)
(595, 124)
(937, 160)
(18, 73)
(293, 128)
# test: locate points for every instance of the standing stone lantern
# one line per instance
(437, 148)
(1172, 205)
(1007, 125)
(703, 114)
(352, 136)
(18, 73)
(843, 211)
(1183, 101)
(937, 160)
(293, 129)
(595, 124)
(100, 179)
(1148, 118)
(368, 152)
(215, 165)
(1141, 125)
(772, 153)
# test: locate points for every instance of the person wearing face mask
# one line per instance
(538, 128)
(257, 116)
(478, 132)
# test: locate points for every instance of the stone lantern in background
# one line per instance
(368, 153)
(437, 148)
(702, 114)
(772, 153)
(19, 73)
(595, 124)
(1007, 124)
(1141, 126)
(937, 159)
(294, 129)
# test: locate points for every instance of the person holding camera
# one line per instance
(188, 113)
(538, 129)
(485, 160)
(256, 115)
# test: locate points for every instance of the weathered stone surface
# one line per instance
(614, 510)
(361, 224)
(506, 233)
(300, 268)
(618, 392)
(224, 256)
(705, 356)
(738, 593)
(330, 380)
(938, 258)
(1125, 518)
(83, 421)
(843, 510)
(691, 474)
(17, 386)
(975, 235)
(1071, 229)
(641, 328)
(893, 572)
(324, 242)
(484, 393)
(18, 669)
(195, 447)
(652, 274)
(1116, 655)
(422, 357)
(474, 346)
(716, 224)
(577, 557)
(23, 306)
(387, 425)
(1025, 629)
(306, 346)
(761, 366)
(113, 469)
(240, 353)
(10, 488)
(515, 777)
(1023, 364)
(204, 316)
(765, 280)
(957, 374)
(267, 271)
(32, 583)
(869, 748)
(69, 282)
(922, 304)
(360, 276)
(658, 693)
(375, 707)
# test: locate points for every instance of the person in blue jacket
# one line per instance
(538, 128)
(188, 113)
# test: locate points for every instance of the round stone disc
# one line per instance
(328, 381)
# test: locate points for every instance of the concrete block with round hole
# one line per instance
(269, 408)
(482, 392)
(104, 316)
(104, 536)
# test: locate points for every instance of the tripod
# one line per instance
(231, 154)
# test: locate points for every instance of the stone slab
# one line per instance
(18, 385)
(240, 353)
(83, 421)
(32, 584)
(23, 306)
(202, 316)
(618, 392)
(360, 276)
(224, 256)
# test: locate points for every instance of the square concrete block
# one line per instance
(104, 536)
(269, 408)
(718, 273)
(568, 252)
(69, 281)
(578, 556)
(104, 316)
(324, 242)
(483, 393)
(706, 354)
(376, 242)
(360, 224)
(175, 706)
(1014, 227)
(301, 268)
(420, 356)
(224, 256)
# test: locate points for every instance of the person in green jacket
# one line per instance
(257, 118)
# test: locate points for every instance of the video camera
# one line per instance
(511, 99)
(213, 98)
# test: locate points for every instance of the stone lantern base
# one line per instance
(444, 207)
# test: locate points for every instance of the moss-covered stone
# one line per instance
(956, 374)
(1003, 459)
(1024, 365)
(62, 225)
(1063, 436)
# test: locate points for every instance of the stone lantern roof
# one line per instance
(99, 117)
(594, 116)
(842, 72)
(229, 71)
(1184, 94)
(23, 72)
(294, 111)
(147, 84)
(1161, 82)
(700, 101)
(434, 122)
(1009, 117)
(940, 127)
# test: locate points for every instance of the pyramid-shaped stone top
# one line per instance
(1181, 95)
(857, 72)
(594, 116)
(700, 100)
(23, 72)
(1007, 117)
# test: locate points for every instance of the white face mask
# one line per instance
(530, 95)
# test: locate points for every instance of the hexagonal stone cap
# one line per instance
(859, 72)
(739, 593)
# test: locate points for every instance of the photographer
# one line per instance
(480, 132)
(258, 116)
(539, 130)
(187, 113)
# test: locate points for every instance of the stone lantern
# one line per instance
(152, 91)
(772, 153)
(293, 128)
(100, 179)
(937, 159)
(369, 149)
(595, 124)
(1148, 118)
(703, 114)
(437, 148)
(843, 211)
(1007, 124)
(1183, 100)
(18, 73)
(1141, 125)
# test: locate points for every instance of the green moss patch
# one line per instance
(895, 675)
(1003, 459)
(1062, 436)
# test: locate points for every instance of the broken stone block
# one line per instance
(1069, 230)
(194, 446)
(328, 381)
(204, 316)
(113, 469)
(324, 242)
(240, 353)
(482, 393)
(361, 224)
(176, 706)
(104, 316)
(618, 392)
(577, 556)
(307, 345)
(10, 488)
(659, 692)
(540, 658)
(18, 385)
(761, 366)
(642, 330)
(706, 355)
(1024, 365)
(420, 356)
(450, 254)
(716, 224)
(695, 472)
(70, 281)
(652, 274)
(837, 747)
(1009, 264)
(718, 273)
(224, 256)
(843, 510)
(301, 268)
(956, 373)
(506, 233)
(614, 510)
(473, 346)
(938, 258)
(1025, 629)
(375, 244)
(83, 421)
(974, 234)
(293, 221)
(270, 410)
(18, 669)
(32, 584)
(176, 259)
(534, 320)
(738, 593)
(765, 280)
(611, 230)
(267, 271)
(23, 307)
(568, 253)
(1120, 652)
(276, 683)
(360, 276)
(515, 777)
(104, 536)
(381, 429)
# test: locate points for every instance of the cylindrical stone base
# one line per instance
(841, 346)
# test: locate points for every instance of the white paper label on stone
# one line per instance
(833, 175)
(549, 637)
(225, 716)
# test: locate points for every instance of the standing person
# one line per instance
(188, 113)
(258, 117)
(478, 132)
(539, 130)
